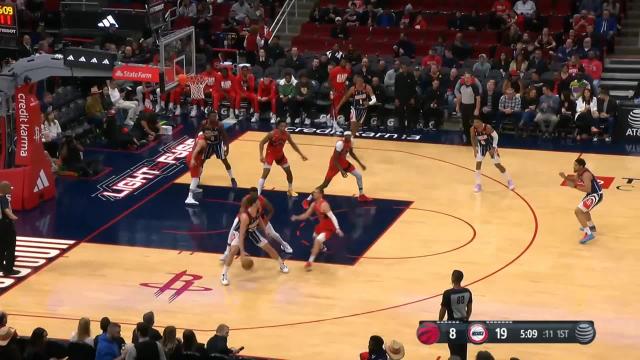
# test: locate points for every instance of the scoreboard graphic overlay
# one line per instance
(506, 332)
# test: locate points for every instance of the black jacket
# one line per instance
(612, 107)
(434, 96)
(405, 86)
(218, 345)
(495, 100)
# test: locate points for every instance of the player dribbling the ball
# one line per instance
(249, 222)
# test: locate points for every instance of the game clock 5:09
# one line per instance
(8, 26)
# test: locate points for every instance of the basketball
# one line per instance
(428, 333)
(182, 79)
(247, 263)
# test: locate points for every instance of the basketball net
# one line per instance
(196, 85)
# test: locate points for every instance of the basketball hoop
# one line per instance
(196, 85)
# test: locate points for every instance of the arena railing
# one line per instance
(283, 17)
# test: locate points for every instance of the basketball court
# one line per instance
(519, 251)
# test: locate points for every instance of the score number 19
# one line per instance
(501, 333)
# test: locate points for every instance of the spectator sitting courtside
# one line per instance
(548, 109)
(149, 319)
(191, 347)
(8, 348)
(145, 348)
(607, 113)
(51, 133)
(83, 333)
(509, 108)
(376, 349)
(218, 343)
(170, 343)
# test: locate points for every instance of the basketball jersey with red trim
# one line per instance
(277, 141)
(341, 156)
(317, 208)
(253, 221)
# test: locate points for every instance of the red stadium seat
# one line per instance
(563, 7)
(544, 7)
(556, 24)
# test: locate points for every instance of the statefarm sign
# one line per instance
(145, 173)
(144, 73)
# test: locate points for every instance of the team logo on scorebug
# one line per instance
(477, 333)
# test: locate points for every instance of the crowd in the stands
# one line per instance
(532, 81)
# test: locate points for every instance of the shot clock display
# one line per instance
(8, 26)
(511, 332)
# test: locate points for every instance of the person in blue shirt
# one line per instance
(108, 346)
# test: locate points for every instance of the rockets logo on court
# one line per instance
(634, 123)
(145, 173)
(179, 284)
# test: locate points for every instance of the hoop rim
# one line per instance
(197, 79)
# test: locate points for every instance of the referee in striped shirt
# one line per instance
(456, 304)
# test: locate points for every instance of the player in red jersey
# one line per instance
(268, 93)
(338, 82)
(146, 94)
(245, 89)
(227, 88)
(275, 141)
(249, 222)
(327, 224)
(340, 164)
(212, 88)
(266, 213)
(213, 140)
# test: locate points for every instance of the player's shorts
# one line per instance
(483, 150)
(278, 158)
(255, 237)
(195, 171)
(590, 201)
(325, 227)
(358, 114)
(218, 151)
(333, 170)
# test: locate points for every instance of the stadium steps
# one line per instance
(295, 22)
(628, 42)
(621, 75)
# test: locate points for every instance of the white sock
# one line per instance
(290, 186)
(230, 172)
(590, 223)
(310, 197)
(478, 177)
(358, 177)
(506, 175)
(194, 183)
(225, 270)
(260, 185)
(312, 258)
(587, 230)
